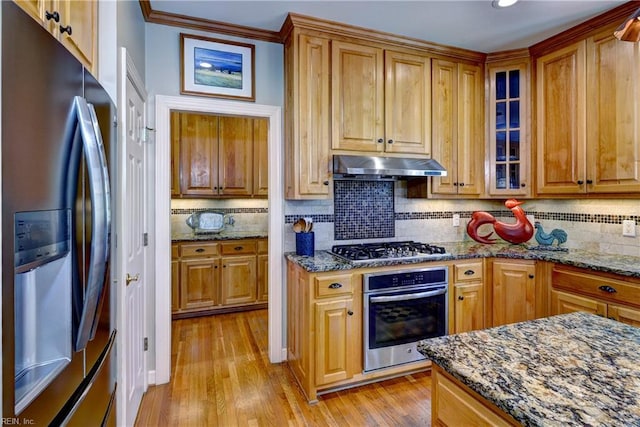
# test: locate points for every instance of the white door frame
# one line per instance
(127, 71)
(164, 105)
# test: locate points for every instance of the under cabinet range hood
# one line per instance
(374, 167)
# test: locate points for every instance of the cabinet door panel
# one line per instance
(199, 283)
(235, 166)
(260, 157)
(626, 315)
(564, 303)
(561, 120)
(358, 97)
(444, 109)
(199, 154)
(613, 136)
(262, 278)
(513, 292)
(407, 103)
(334, 330)
(175, 154)
(238, 280)
(469, 307)
(82, 17)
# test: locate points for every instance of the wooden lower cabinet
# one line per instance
(455, 404)
(607, 295)
(468, 297)
(218, 276)
(513, 290)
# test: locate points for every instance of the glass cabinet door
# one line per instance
(508, 136)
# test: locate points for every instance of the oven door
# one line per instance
(396, 320)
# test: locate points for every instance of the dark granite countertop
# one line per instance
(624, 265)
(572, 369)
(224, 235)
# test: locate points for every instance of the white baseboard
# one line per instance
(151, 377)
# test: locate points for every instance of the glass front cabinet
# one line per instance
(509, 150)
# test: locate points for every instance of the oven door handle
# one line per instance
(405, 297)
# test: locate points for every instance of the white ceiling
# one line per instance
(469, 24)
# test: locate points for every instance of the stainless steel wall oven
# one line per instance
(400, 309)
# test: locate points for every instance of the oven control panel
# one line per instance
(405, 278)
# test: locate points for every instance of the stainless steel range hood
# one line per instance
(373, 167)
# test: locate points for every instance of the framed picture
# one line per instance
(218, 68)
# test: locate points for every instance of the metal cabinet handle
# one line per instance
(380, 140)
(462, 184)
(390, 141)
(335, 286)
(238, 248)
(589, 181)
(350, 313)
(325, 182)
(460, 298)
(608, 289)
(66, 29)
(130, 278)
(523, 185)
(580, 182)
(199, 250)
(52, 15)
(531, 276)
(469, 272)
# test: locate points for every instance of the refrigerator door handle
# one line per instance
(100, 219)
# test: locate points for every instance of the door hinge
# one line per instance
(145, 239)
(146, 344)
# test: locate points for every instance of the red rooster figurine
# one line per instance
(519, 232)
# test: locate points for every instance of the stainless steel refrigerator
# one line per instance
(58, 133)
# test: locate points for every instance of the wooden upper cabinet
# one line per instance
(307, 116)
(219, 156)
(199, 154)
(235, 164)
(76, 26)
(457, 120)
(613, 115)
(381, 100)
(357, 97)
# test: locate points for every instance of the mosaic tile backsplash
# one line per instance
(363, 209)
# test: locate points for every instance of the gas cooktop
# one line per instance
(387, 251)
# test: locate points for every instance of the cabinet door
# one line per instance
(260, 157)
(263, 278)
(513, 292)
(627, 315)
(469, 307)
(175, 279)
(407, 103)
(470, 119)
(238, 279)
(357, 97)
(334, 326)
(80, 19)
(235, 164)
(613, 123)
(308, 118)
(564, 303)
(36, 9)
(509, 150)
(199, 154)
(443, 110)
(561, 121)
(199, 283)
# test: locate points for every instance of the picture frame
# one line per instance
(217, 68)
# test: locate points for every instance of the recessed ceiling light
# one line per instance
(503, 3)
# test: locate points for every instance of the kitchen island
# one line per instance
(572, 369)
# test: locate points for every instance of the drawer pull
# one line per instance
(350, 313)
(460, 298)
(608, 289)
(469, 273)
(531, 276)
(200, 250)
(335, 286)
(238, 248)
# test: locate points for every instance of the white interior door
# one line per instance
(132, 370)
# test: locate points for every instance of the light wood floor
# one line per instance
(221, 376)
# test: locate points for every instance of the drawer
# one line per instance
(238, 247)
(603, 287)
(333, 285)
(175, 251)
(198, 249)
(263, 246)
(468, 271)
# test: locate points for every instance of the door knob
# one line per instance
(131, 278)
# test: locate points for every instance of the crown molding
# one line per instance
(184, 21)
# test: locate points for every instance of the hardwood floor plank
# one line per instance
(221, 376)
